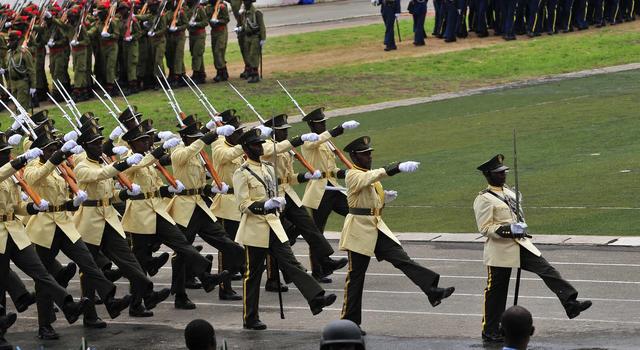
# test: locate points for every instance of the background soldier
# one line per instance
(109, 36)
(218, 15)
(507, 246)
(80, 52)
(20, 68)
(156, 25)
(364, 234)
(261, 232)
(197, 16)
(131, 32)
(58, 43)
(390, 10)
(255, 36)
(418, 9)
(175, 42)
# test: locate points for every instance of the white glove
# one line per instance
(48, 14)
(192, 23)
(74, 43)
(80, 197)
(374, 2)
(225, 130)
(32, 154)
(312, 137)
(408, 167)
(170, 143)
(14, 139)
(128, 38)
(519, 228)
(266, 131)
(105, 35)
(118, 186)
(68, 146)
(7, 24)
(173, 29)
(24, 196)
(262, 42)
(217, 118)
(241, 12)
(397, 15)
(120, 150)
(50, 43)
(237, 30)
(151, 33)
(313, 176)
(176, 190)
(214, 21)
(2, 71)
(351, 124)
(16, 125)
(216, 190)
(275, 202)
(117, 132)
(44, 205)
(211, 125)
(32, 91)
(134, 159)
(165, 135)
(71, 135)
(146, 24)
(135, 190)
(77, 149)
(390, 196)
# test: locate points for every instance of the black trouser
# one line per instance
(47, 288)
(14, 287)
(386, 249)
(91, 276)
(495, 294)
(255, 259)
(215, 235)
(331, 201)
(170, 235)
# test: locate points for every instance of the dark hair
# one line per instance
(199, 335)
(517, 322)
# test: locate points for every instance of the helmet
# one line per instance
(341, 332)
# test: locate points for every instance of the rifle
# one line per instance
(144, 8)
(27, 35)
(293, 152)
(216, 10)
(275, 183)
(180, 115)
(107, 21)
(159, 15)
(519, 216)
(175, 14)
(332, 147)
(83, 17)
(398, 29)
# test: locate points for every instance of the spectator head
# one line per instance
(517, 327)
(199, 335)
(341, 335)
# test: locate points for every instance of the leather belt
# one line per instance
(198, 31)
(328, 174)
(191, 192)
(56, 208)
(366, 211)
(7, 217)
(147, 195)
(98, 202)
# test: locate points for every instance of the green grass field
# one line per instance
(574, 137)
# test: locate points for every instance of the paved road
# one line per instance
(396, 313)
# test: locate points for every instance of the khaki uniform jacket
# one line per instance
(187, 168)
(11, 204)
(97, 180)
(226, 159)
(140, 215)
(286, 175)
(360, 232)
(320, 156)
(41, 227)
(254, 229)
(491, 213)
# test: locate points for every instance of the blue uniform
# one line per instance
(388, 9)
(419, 12)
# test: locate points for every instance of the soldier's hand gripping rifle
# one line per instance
(295, 153)
(180, 115)
(176, 11)
(159, 15)
(109, 19)
(332, 147)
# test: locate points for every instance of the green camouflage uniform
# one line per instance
(198, 20)
(58, 41)
(109, 49)
(130, 49)
(39, 40)
(157, 42)
(21, 74)
(219, 37)
(254, 30)
(175, 45)
(235, 8)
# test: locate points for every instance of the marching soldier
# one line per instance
(177, 23)
(255, 36)
(297, 218)
(156, 25)
(80, 51)
(191, 213)
(418, 9)
(20, 68)
(110, 29)
(261, 232)
(390, 11)
(365, 234)
(507, 246)
(218, 15)
(16, 246)
(197, 39)
(54, 231)
(316, 197)
(131, 32)
(58, 44)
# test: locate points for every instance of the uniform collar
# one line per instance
(253, 162)
(359, 168)
(495, 188)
